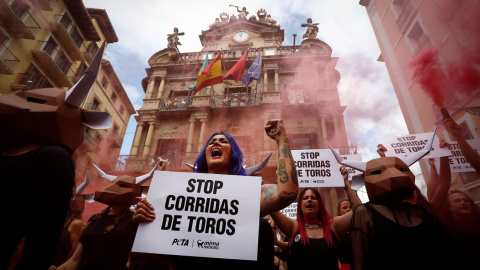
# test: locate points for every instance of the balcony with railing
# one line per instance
(25, 81)
(236, 100)
(68, 36)
(90, 51)
(175, 104)
(8, 61)
(17, 20)
(54, 64)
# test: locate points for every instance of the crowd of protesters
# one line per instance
(393, 232)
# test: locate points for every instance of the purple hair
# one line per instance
(236, 158)
(322, 215)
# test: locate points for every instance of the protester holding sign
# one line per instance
(468, 152)
(312, 237)
(388, 232)
(221, 155)
(108, 237)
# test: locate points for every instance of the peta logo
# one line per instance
(208, 244)
(180, 242)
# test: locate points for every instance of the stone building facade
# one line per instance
(299, 85)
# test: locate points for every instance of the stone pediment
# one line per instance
(163, 56)
(218, 32)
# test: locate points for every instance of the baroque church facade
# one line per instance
(298, 85)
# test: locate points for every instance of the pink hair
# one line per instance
(322, 215)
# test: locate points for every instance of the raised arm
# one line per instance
(341, 224)
(284, 224)
(284, 192)
(468, 152)
(439, 195)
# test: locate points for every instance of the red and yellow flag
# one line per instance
(211, 75)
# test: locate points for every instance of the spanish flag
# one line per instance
(211, 75)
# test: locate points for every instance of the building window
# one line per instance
(51, 47)
(81, 70)
(66, 21)
(402, 10)
(33, 78)
(122, 110)
(95, 104)
(113, 97)
(63, 63)
(104, 83)
(169, 148)
(77, 38)
(92, 47)
(418, 40)
(3, 37)
(20, 8)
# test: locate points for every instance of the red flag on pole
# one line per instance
(237, 71)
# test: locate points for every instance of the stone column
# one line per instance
(190, 135)
(136, 139)
(202, 135)
(148, 140)
(276, 80)
(324, 131)
(265, 80)
(160, 88)
(335, 128)
(151, 84)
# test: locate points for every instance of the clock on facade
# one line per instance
(240, 36)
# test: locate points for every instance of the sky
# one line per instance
(372, 113)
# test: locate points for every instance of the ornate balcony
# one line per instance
(175, 104)
(236, 100)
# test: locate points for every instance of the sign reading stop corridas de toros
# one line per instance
(403, 146)
(202, 215)
(317, 168)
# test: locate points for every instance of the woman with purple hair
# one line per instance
(221, 155)
(312, 237)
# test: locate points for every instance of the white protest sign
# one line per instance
(457, 161)
(317, 168)
(403, 146)
(202, 215)
(352, 171)
(290, 211)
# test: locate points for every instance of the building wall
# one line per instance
(100, 146)
(405, 29)
(298, 86)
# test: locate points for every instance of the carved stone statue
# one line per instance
(270, 21)
(312, 29)
(243, 13)
(173, 38)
